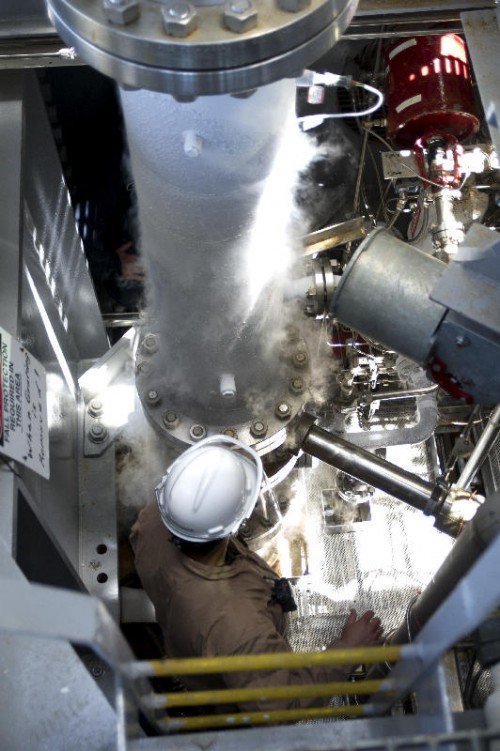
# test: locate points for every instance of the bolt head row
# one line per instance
(180, 17)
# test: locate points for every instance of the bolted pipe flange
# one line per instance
(296, 385)
(179, 18)
(150, 344)
(152, 397)
(121, 12)
(197, 432)
(294, 6)
(97, 433)
(258, 428)
(282, 410)
(96, 407)
(170, 419)
(240, 15)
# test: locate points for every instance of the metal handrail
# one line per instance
(266, 693)
(274, 661)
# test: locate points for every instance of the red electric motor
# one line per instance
(429, 89)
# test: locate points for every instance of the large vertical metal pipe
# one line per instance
(214, 181)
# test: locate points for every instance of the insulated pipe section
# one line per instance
(481, 449)
(368, 467)
(393, 308)
(475, 538)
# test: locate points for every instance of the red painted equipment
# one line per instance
(429, 91)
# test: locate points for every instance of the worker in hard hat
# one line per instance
(212, 595)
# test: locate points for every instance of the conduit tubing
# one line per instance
(368, 467)
(480, 450)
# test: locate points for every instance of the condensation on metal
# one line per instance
(381, 563)
(214, 236)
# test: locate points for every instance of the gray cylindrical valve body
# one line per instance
(384, 294)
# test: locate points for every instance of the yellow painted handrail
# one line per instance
(245, 719)
(270, 661)
(265, 693)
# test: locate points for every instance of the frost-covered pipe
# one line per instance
(214, 179)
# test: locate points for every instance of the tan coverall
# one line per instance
(207, 611)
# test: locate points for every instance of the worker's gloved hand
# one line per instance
(365, 631)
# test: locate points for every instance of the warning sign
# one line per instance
(24, 434)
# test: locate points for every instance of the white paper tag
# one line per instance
(24, 433)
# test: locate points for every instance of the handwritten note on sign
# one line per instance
(24, 433)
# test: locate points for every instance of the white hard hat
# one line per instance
(210, 489)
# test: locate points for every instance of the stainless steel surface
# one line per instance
(482, 32)
(377, 734)
(463, 610)
(477, 534)
(24, 19)
(11, 86)
(481, 449)
(394, 308)
(359, 463)
(59, 319)
(36, 54)
(215, 59)
(381, 7)
(467, 340)
(386, 396)
(448, 233)
(415, 425)
(335, 234)
(382, 561)
(44, 679)
(215, 300)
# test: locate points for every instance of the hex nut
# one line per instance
(121, 12)
(179, 18)
(300, 359)
(231, 432)
(96, 407)
(240, 15)
(282, 410)
(197, 432)
(170, 419)
(150, 344)
(296, 385)
(258, 428)
(152, 397)
(98, 433)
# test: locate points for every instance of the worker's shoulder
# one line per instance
(150, 514)
(148, 525)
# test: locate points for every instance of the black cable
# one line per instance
(473, 687)
(468, 679)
